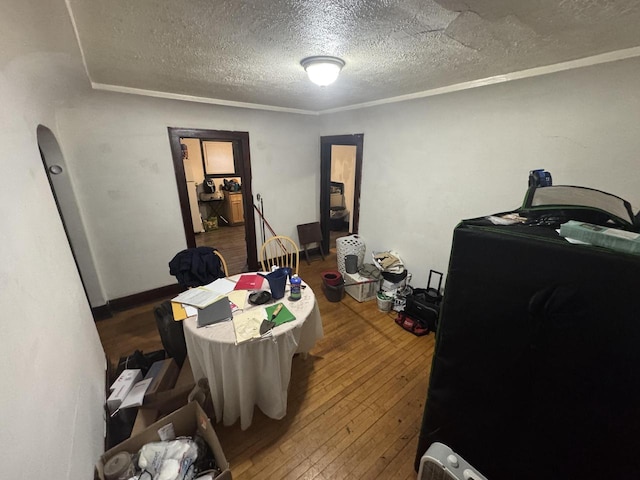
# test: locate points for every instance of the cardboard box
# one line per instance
(122, 389)
(186, 422)
(336, 200)
(365, 288)
(210, 224)
(164, 374)
(166, 401)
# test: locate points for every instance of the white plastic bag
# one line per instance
(170, 460)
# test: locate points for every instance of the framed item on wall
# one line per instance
(218, 158)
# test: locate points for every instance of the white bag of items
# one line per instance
(393, 271)
(170, 460)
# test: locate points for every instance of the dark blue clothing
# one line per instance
(195, 267)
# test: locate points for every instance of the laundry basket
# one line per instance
(349, 245)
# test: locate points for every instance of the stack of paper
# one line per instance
(238, 298)
(180, 311)
(211, 302)
(204, 296)
(247, 324)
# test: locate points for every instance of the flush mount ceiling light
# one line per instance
(322, 71)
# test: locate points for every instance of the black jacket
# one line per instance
(195, 267)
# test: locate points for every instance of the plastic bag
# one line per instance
(171, 460)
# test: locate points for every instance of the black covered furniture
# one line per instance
(536, 372)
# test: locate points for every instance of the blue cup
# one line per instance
(289, 272)
(277, 282)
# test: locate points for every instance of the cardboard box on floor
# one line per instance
(164, 374)
(162, 403)
(186, 422)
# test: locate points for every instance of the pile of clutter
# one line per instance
(183, 458)
(158, 425)
(395, 283)
(385, 279)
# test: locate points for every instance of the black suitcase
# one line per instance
(171, 333)
(423, 304)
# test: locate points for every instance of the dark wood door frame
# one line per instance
(241, 141)
(325, 181)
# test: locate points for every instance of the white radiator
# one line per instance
(441, 463)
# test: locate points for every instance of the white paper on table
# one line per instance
(198, 297)
(221, 286)
(191, 311)
(238, 298)
(247, 324)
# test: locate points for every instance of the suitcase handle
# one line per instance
(439, 281)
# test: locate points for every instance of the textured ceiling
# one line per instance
(250, 51)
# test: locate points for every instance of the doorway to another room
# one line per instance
(213, 173)
(341, 172)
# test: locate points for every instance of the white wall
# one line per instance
(432, 162)
(428, 163)
(51, 361)
(117, 148)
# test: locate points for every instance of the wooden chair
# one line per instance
(310, 233)
(281, 251)
(223, 262)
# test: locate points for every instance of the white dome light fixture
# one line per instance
(322, 71)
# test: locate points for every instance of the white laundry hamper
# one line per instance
(349, 245)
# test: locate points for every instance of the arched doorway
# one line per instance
(64, 196)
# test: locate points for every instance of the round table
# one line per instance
(256, 372)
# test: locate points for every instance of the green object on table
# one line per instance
(283, 317)
(620, 240)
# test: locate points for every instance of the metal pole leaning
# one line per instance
(269, 226)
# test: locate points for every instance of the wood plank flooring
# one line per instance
(230, 242)
(355, 403)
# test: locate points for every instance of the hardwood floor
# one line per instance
(355, 403)
(231, 244)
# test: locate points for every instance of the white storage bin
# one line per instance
(363, 291)
(349, 245)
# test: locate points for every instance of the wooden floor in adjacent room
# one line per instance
(355, 403)
(229, 240)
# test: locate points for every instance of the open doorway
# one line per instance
(340, 177)
(214, 188)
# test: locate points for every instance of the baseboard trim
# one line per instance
(101, 313)
(130, 301)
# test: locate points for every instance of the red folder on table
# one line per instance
(249, 282)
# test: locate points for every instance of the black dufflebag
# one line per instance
(423, 304)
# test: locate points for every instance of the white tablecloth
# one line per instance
(256, 372)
